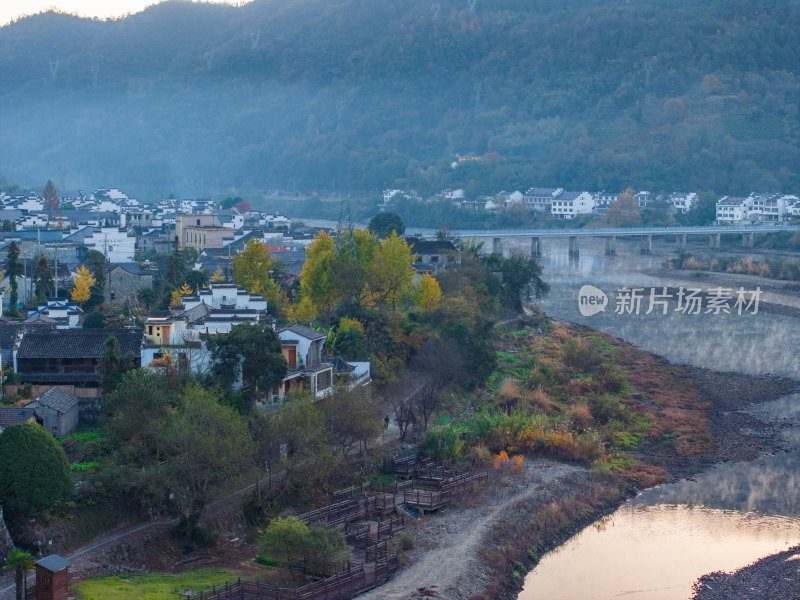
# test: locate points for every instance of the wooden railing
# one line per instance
(355, 579)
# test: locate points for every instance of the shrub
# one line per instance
(405, 541)
(607, 407)
(445, 443)
(583, 355)
(265, 560)
(34, 471)
(539, 399)
(580, 417)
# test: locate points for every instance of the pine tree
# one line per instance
(51, 200)
(12, 270)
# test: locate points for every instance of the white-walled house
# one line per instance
(603, 199)
(182, 331)
(568, 205)
(732, 209)
(683, 201)
(302, 348)
(113, 243)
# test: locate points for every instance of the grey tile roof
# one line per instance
(306, 332)
(9, 331)
(55, 399)
(53, 563)
(77, 343)
(11, 415)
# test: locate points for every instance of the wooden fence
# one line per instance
(345, 584)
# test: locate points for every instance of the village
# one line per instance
(757, 207)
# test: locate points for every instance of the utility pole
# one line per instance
(55, 272)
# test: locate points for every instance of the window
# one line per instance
(198, 222)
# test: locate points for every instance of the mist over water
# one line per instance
(755, 344)
(657, 544)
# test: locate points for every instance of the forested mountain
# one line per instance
(186, 98)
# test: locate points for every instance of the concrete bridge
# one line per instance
(645, 235)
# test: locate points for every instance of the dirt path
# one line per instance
(446, 559)
(7, 588)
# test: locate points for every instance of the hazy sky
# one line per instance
(11, 9)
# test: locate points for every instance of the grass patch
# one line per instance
(86, 466)
(84, 436)
(152, 586)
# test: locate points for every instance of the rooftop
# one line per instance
(77, 343)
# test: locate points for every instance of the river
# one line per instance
(657, 544)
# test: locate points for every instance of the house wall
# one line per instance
(197, 355)
(123, 285)
(192, 220)
(63, 423)
(114, 244)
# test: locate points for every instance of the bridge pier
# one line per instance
(646, 244)
(680, 241)
(497, 246)
(536, 246)
(747, 240)
(714, 241)
(611, 245)
(573, 246)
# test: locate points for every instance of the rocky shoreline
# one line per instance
(776, 577)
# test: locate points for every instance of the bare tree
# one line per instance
(399, 396)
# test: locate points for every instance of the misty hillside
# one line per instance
(190, 98)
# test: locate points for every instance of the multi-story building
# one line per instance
(568, 205)
(683, 201)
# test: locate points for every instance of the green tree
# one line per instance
(252, 268)
(197, 278)
(624, 211)
(147, 295)
(139, 409)
(176, 267)
(286, 537)
(97, 264)
(113, 365)
(20, 562)
(704, 211)
(34, 472)
(13, 268)
(316, 545)
(51, 200)
(351, 343)
(519, 272)
(94, 320)
(384, 223)
(308, 461)
(42, 279)
(252, 351)
(206, 444)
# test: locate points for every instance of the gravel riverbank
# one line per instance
(775, 577)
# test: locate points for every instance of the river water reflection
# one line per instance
(656, 545)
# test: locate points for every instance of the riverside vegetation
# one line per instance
(175, 443)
